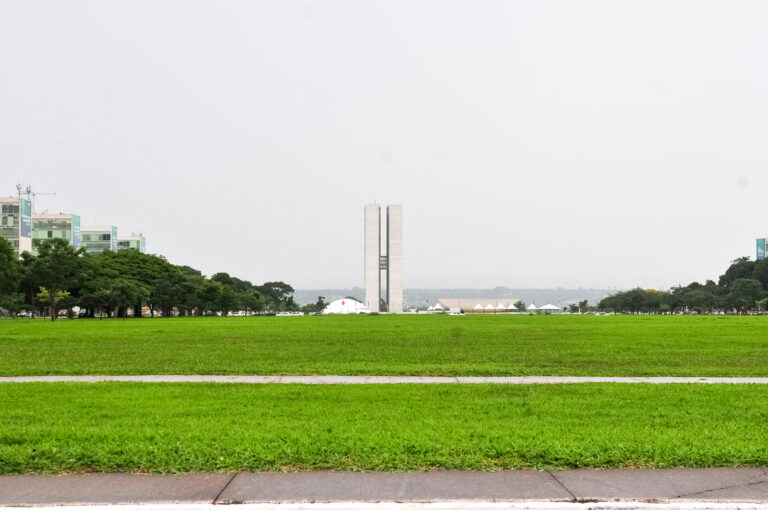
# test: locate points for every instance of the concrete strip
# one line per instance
(757, 491)
(367, 379)
(433, 505)
(651, 484)
(110, 488)
(675, 486)
(415, 486)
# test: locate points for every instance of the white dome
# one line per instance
(345, 305)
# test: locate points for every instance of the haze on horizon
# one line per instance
(533, 144)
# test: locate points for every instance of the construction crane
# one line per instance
(34, 194)
(30, 194)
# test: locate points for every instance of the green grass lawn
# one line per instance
(391, 345)
(70, 427)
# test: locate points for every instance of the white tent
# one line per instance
(511, 307)
(550, 307)
(531, 307)
(430, 308)
(490, 307)
(500, 307)
(478, 307)
(438, 307)
(345, 306)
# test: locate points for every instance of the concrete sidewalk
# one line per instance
(639, 485)
(378, 379)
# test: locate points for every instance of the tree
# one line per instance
(630, 301)
(700, 300)
(222, 278)
(105, 282)
(56, 299)
(228, 300)
(289, 305)
(742, 267)
(55, 268)
(637, 300)
(760, 272)
(276, 294)
(96, 295)
(208, 296)
(237, 292)
(316, 307)
(520, 305)
(127, 292)
(744, 292)
(165, 293)
(253, 301)
(114, 295)
(584, 306)
(191, 287)
(146, 270)
(10, 278)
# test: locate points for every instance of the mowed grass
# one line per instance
(391, 345)
(143, 427)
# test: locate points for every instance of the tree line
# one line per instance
(61, 277)
(743, 287)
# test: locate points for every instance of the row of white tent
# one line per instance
(489, 307)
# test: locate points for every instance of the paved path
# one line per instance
(430, 505)
(363, 379)
(575, 486)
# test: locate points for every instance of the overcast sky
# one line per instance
(532, 143)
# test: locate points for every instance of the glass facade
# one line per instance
(97, 240)
(55, 226)
(26, 231)
(16, 223)
(135, 241)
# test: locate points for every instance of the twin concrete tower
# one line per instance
(391, 262)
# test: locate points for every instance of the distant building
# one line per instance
(479, 305)
(55, 226)
(135, 241)
(16, 223)
(345, 306)
(97, 240)
(761, 248)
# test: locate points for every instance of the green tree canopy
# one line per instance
(10, 277)
(744, 292)
(56, 268)
(739, 268)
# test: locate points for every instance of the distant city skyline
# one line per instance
(534, 144)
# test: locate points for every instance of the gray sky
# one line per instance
(532, 143)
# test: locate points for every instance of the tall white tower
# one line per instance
(391, 262)
(395, 258)
(372, 280)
